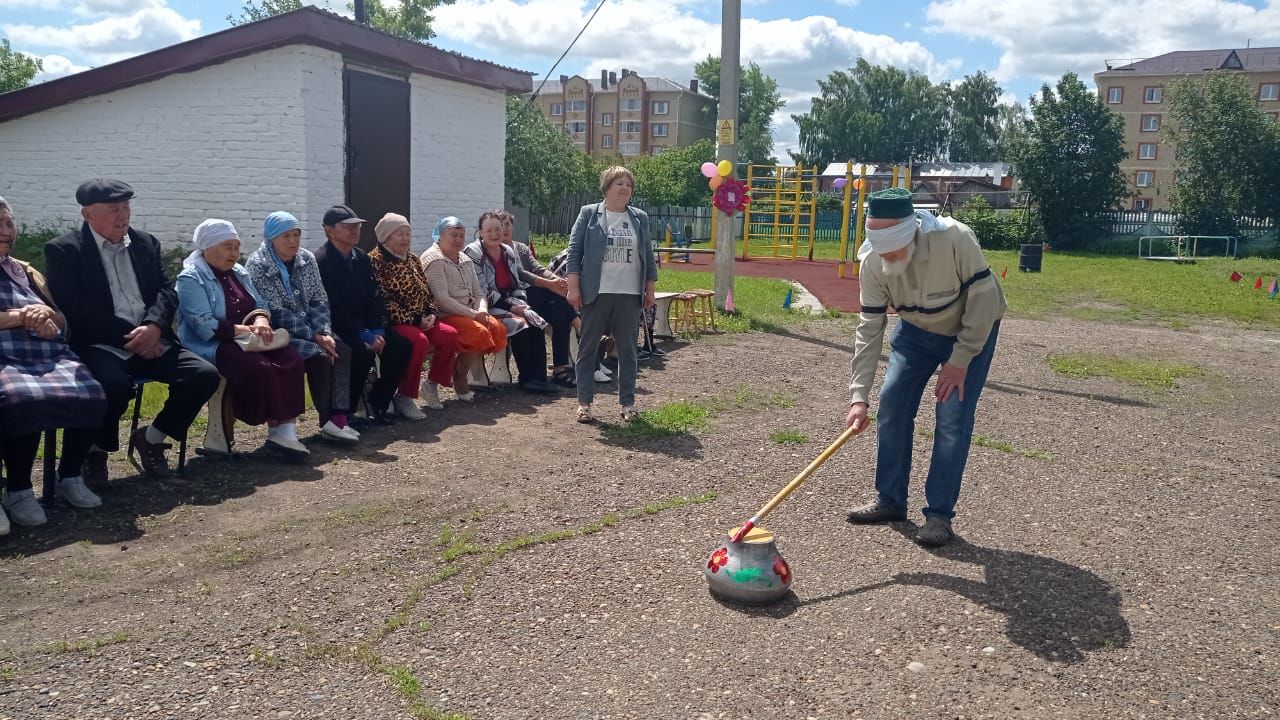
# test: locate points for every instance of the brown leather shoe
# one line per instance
(151, 460)
(94, 471)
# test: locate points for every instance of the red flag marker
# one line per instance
(1235, 276)
(1258, 285)
(1004, 272)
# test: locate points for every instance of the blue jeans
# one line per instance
(916, 356)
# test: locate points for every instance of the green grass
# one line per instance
(1153, 374)
(789, 437)
(91, 645)
(1110, 288)
(671, 419)
(757, 302)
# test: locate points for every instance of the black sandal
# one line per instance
(564, 378)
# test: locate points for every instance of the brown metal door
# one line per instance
(377, 147)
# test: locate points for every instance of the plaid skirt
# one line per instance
(43, 386)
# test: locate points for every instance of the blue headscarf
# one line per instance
(276, 224)
(443, 224)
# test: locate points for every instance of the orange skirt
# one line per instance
(475, 336)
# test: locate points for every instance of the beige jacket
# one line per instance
(947, 289)
(454, 285)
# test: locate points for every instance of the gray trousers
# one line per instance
(618, 316)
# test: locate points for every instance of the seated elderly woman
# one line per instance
(451, 277)
(287, 278)
(43, 385)
(499, 271)
(545, 292)
(413, 316)
(223, 319)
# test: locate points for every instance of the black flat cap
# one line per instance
(101, 190)
(339, 214)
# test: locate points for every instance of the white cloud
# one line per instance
(37, 4)
(664, 37)
(94, 8)
(56, 66)
(111, 38)
(1043, 40)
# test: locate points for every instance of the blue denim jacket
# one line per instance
(202, 306)
(587, 243)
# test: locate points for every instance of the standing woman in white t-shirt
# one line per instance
(612, 274)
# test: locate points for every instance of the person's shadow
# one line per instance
(1056, 610)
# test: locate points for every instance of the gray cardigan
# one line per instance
(587, 244)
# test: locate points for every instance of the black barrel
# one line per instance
(1030, 256)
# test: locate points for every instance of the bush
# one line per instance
(997, 231)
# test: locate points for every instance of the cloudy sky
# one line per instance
(1022, 43)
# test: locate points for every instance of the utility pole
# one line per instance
(727, 138)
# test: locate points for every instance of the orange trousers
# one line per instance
(475, 336)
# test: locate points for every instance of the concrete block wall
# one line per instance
(459, 151)
(235, 140)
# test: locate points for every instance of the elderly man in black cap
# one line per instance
(359, 316)
(108, 280)
(932, 271)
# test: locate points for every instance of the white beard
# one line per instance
(897, 267)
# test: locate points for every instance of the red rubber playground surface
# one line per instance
(819, 277)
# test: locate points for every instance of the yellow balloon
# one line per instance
(716, 182)
(724, 168)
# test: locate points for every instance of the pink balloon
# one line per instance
(708, 169)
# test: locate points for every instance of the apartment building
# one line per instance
(627, 115)
(1135, 90)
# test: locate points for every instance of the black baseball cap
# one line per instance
(340, 214)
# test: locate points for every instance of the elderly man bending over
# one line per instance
(932, 271)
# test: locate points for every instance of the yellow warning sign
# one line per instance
(724, 132)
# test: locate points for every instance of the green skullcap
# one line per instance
(890, 203)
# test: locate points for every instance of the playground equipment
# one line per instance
(783, 211)
(852, 214)
(1183, 248)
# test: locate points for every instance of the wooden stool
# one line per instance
(683, 313)
(704, 312)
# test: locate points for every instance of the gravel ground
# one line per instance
(1119, 563)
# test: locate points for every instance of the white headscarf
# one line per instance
(892, 238)
(209, 233)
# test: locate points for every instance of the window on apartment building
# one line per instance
(661, 107)
(1268, 91)
(629, 126)
(1142, 203)
(629, 148)
(657, 150)
(1152, 95)
(606, 141)
(1146, 151)
(577, 106)
(606, 119)
(1144, 178)
(629, 104)
(659, 130)
(1115, 95)
(557, 109)
(575, 127)
(1150, 123)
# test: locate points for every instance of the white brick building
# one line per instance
(297, 112)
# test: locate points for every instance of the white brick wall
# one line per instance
(235, 140)
(459, 150)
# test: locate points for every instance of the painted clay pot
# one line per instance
(751, 571)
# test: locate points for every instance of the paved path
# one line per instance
(819, 277)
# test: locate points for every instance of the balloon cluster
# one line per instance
(716, 173)
(841, 182)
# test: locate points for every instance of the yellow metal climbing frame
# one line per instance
(783, 213)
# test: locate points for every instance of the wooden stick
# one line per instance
(795, 483)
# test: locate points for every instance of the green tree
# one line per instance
(1070, 162)
(758, 100)
(1011, 130)
(17, 70)
(874, 113)
(675, 176)
(408, 19)
(1227, 161)
(975, 115)
(542, 164)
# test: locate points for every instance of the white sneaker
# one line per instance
(468, 396)
(288, 444)
(431, 396)
(602, 376)
(407, 408)
(602, 368)
(343, 435)
(24, 508)
(73, 490)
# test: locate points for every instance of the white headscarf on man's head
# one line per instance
(209, 233)
(888, 239)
